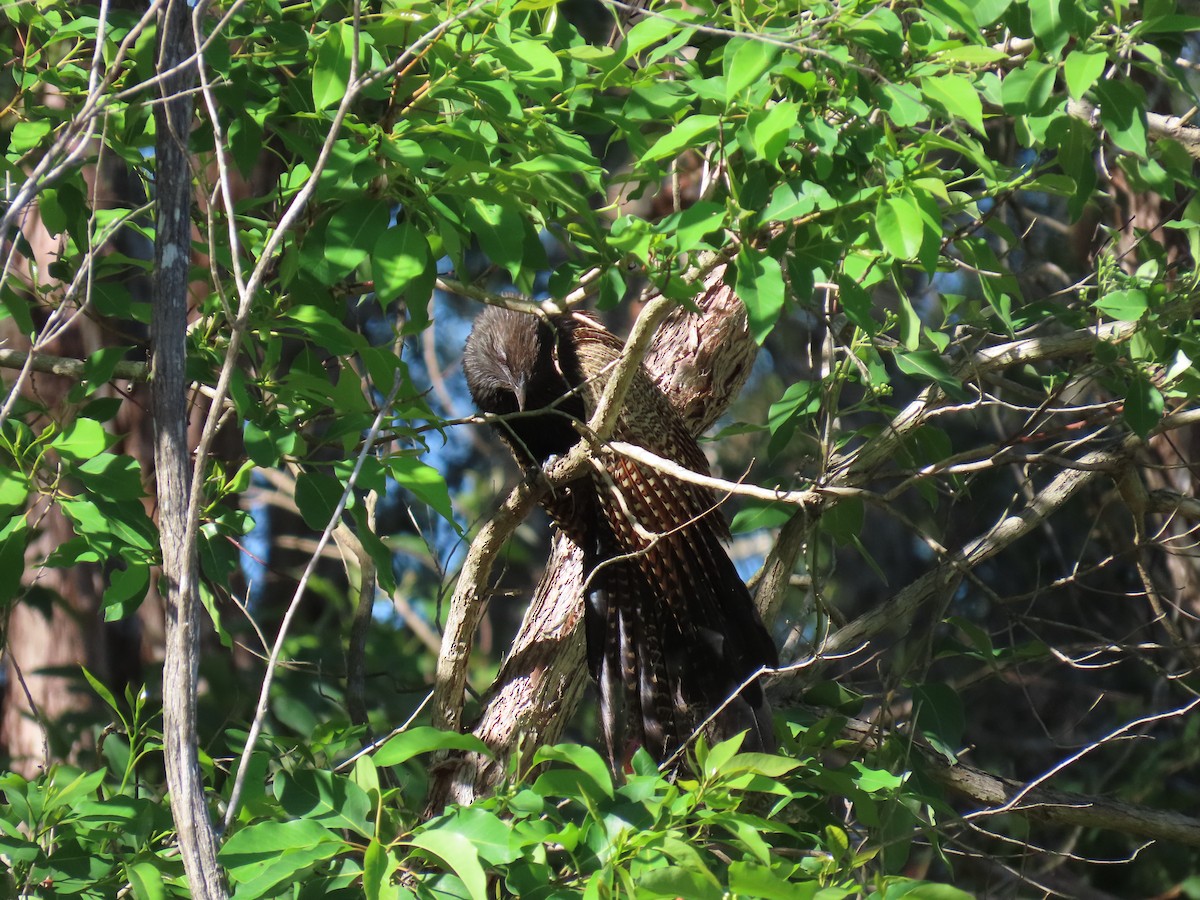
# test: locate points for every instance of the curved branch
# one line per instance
(468, 603)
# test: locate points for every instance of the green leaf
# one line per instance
(988, 11)
(677, 881)
(1124, 306)
(458, 854)
(13, 536)
(120, 810)
(13, 491)
(377, 870)
(694, 131)
(493, 838)
(772, 131)
(902, 103)
(113, 528)
(757, 515)
(124, 586)
(78, 788)
(1166, 23)
(146, 881)
(585, 759)
(1123, 114)
(769, 765)
(715, 759)
(112, 477)
(928, 890)
(794, 199)
(266, 854)
(652, 29)
(259, 446)
(317, 496)
(799, 401)
(1143, 407)
(910, 324)
(760, 287)
(689, 227)
(875, 780)
(351, 232)
(26, 135)
(971, 55)
(326, 797)
(536, 63)
(81, 440)
(747, 61)
(1027, 89)
(880, 32)
(323, 329)
(400, 261)
(843, 521)
(837, 841)
(1082, 70)
(899, 226)
(938, 712)
(499, 226)
(957, 96)
(423, 739)
(929, 366)
(425, 482)
(1051, 25)
(331, 69)
(100, 365)
(748, 879)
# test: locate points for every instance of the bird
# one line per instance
(673, 637)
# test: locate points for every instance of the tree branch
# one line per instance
(945, 577)
(172, 254)
(69, 367)
(1036, 802)
(470, 593)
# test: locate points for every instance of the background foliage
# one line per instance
(964, 232)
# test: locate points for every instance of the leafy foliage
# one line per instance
(750, 823)
(974, 328)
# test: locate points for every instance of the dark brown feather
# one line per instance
(672, 631)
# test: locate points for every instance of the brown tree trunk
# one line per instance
(54, 630)
(55, 626)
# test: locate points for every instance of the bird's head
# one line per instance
(509, 362)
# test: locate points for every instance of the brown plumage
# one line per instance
(671, 629)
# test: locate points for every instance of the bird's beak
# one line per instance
(519, 390)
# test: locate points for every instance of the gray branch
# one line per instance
(172, 255)
(69, 367)
(1044, 804)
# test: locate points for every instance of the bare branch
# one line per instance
(1040, 803)
(944, 578)
(68, 367)
(1158, 126)
(173, 233)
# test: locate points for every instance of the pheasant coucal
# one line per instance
(672, 632)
